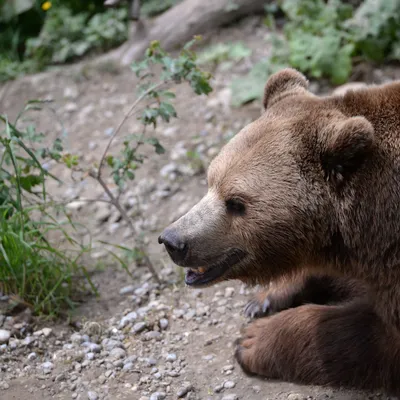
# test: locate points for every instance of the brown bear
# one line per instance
(308, 196)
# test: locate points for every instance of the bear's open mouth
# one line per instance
(205, 275)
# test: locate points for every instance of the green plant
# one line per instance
(376, 29)
(33, 269)
(224, 53)
(317, 42)
(33, 36)
(155, 100)
(323, 38)
(152, 105)
(249, 88)
(65, 36)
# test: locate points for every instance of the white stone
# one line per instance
(46, 332)
(127, 319)
(4, 336)
(117, 353)
(92, 396)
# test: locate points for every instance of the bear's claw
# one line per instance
(257, 309)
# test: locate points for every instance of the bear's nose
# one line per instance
(175, 246)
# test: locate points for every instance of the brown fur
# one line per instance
(318, 185)
(306, 288)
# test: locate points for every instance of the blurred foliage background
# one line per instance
(322, 38)
(37, 33)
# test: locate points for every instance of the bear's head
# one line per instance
(275, 191)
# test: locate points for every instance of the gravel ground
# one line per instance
(140, 340)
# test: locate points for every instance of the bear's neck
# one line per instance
(365, 240)
(365, 243)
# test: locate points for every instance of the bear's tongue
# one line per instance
(194, 275)
(202, 276)
(205, 275)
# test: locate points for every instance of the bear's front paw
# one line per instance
(253, 351)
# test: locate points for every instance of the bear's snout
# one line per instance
(174, 244)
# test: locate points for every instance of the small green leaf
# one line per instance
(139, 67)
(110, 161)
(166, 111)
(168, 95)
(157, 146)
(29, 181)
(70, 160)
(130, 175)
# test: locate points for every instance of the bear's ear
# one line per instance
(284, 83)
(346, 147)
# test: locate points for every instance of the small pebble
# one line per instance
(218, 388)
(92, 396)
(296, 396)
(76, 338)
(60, 378)
(128, 319)
(229, 385)
(171, 357)
(232, 396)
(4, 336)
(29, 340)
(127, 290)
(139, 327)
(152, 335)
(128, 366)
(47, 367)
(158, 396)
(108, 373)
(164, 323)
(184, 390)
(117, 353)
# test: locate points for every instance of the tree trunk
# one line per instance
(179, 24)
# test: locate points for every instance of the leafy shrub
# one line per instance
(32, 269)
(31, 37)
(156, 99)
(224, 53)
(249, 87)
(322, 39)
(65, 36)
(376, 30)
(153, 104)
(317, 42)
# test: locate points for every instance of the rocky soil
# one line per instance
(140, 340)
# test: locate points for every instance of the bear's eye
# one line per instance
(235, 206)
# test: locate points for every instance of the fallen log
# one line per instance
(180, 23)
